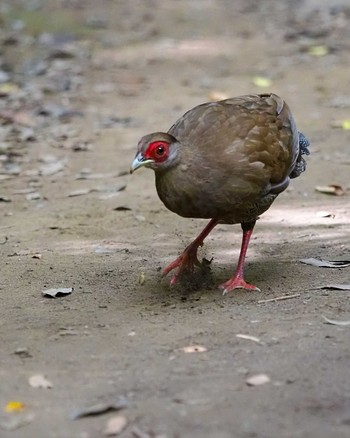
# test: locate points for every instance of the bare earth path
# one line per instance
(122, 330)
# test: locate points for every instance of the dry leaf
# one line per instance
(115, 425)
(318, 50)
(8, 88)
(323, 213)
(334, 322)
(100, 408)
(326, 263)
(56, 293)
(262, 82)
(248, 337)
(335, 286)
(14, 406)
(257, 380)
(39, 381)
(346, 124)
(34, 196)
(52, 168)
(194, 349)
(122, 208)
(332, 189)
(142, 278)
(79, 192)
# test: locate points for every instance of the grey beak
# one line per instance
(138, 162)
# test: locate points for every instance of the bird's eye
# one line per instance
(157, 151)
(160, 150)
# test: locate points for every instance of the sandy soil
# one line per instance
(121, 331)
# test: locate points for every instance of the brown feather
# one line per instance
(232, 154)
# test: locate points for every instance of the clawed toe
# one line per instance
(237, 283)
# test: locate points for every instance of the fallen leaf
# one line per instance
(346, 125)
(249, 338)
(24, 191)
(82, 146)
(79, 192)
(257, 380)
(326, 263)
(5, 199)
(334, 322)
(56, 293)
(23, 353)
(332, 189)
(8, 88)
(52, 168)
(14, 406)
(318, 50)
(323, 213)
(100, 408)
(194, 349)
(142, 278)
(33, 196)
(39, 381)
(262, 82)
(115, 425)
(122, 208)
(335, 286)
(37, 256)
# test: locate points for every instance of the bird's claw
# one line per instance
(237, 283)
(185, 262)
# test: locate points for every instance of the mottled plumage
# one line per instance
(226, 160)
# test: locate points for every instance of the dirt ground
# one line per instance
(85, 82)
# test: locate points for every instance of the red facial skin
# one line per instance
(158, 151)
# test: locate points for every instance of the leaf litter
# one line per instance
(57, 292)
(326, 263)
(335, 322)
(335, 286)
(115, 425)
(258, 380)
(39, 381)
(249, 338)
(100, 408)
(332, 189)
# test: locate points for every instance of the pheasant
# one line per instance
(226, 161)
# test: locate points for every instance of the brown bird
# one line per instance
(227, 161)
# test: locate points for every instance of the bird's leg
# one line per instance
(188, 259)
(237, 281)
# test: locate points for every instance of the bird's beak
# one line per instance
(139, 161)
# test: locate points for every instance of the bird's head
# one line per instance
(158, 151)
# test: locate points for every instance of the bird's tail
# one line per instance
(300, 164)
(304, 144)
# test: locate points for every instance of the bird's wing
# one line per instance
(253, 134)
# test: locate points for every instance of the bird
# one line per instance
(226, 161)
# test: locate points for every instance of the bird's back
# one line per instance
(236, 155)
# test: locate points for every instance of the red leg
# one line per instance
(237, 281)
(188, 259)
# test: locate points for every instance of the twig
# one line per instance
(283, 297)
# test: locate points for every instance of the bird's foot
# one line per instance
(185, 262)
(236, 282)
